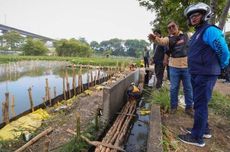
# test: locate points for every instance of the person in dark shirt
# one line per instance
(158, 61)
(146, 57)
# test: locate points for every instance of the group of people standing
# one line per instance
(195, 60)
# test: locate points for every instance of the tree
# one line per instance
(72, 47)
(224, 15)
(167, 10)
(118, 47)
(13, 40)
(34, 47)
(135, 47)
(83, 40)
(95, 45)
(115, 45)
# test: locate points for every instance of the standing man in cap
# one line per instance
(208, 54)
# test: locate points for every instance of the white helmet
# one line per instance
(199, 7)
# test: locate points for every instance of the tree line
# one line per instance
(13, 41)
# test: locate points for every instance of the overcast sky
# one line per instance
(93, 19)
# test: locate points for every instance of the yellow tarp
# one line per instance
(29, 123)
(144, 112)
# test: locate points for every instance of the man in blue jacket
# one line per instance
(208, 55)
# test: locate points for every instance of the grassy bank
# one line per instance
(219, 106)
(102, 61)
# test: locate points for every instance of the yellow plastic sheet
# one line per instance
(88, 92)
(144, 112)
(29, 123)
(99, 87)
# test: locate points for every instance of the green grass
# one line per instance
(78, 145)
(161, 97)
(220, 104)
(97, 61)
(169, 142)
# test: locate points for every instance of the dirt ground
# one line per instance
(220, 128)
(223, 88)
(87, 106)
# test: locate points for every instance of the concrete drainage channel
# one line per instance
(144, 133)
(138, 135)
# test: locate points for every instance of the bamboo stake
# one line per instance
(46, 146)
(49, 98)
(67, 83)
(68, 89)
(31, 99)
(98, 76)
(7, 119)
(63, 84)
(3, 112)
(91, 78)
(66, 76)
(88, 79)
(78, 125)
(46, 89)
(55, 92)
(12, 107)
(95, 80)
(79, 83)
(74, 81)
(45, 132)
(82, 88)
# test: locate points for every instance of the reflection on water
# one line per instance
(18, 77)
(137, 139)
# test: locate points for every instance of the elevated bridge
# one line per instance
(5, 28)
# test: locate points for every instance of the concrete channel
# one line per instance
(114, 98)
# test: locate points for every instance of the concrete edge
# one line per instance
(155, 136)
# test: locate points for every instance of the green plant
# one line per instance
(220, 104)
(77, 144)
(169, 142)
(161, 97)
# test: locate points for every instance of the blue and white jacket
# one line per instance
(208, 52)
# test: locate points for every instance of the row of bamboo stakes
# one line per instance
(129, 108)
(10, 70)
(91, 81)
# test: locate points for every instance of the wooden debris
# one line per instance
(96, 143)
(45, 132)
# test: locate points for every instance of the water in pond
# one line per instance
(137, 139)
(17, 78)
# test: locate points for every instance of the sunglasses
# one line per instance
(194, 15)
(171, 26)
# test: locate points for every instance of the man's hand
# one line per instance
(152, 37)
(166, 60)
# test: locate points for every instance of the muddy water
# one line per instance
(137, 139)
(16, 78)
